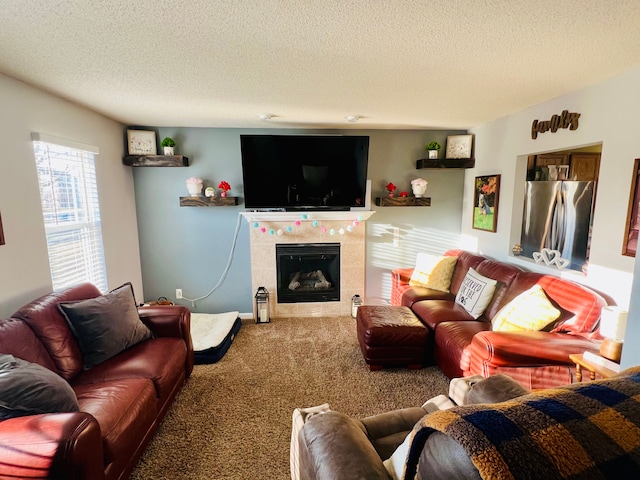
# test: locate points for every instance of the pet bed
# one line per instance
(212, 334)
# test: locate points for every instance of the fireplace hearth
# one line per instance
(308, 272)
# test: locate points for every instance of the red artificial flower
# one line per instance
(403, 194)
(391, 187)
(224, 186)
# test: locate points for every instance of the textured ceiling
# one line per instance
(396, 63)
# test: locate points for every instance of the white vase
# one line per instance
(419, 190)
(433, 154)
(168, 151)
(194, 189)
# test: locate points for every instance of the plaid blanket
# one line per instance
(580, 431)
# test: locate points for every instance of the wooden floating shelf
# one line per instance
(201, 201)
(445, 163)
(155, 161)
(403, 202)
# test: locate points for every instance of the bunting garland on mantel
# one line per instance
(306, 220)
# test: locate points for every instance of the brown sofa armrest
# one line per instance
(55, 445)
(399, 284)
(524, 349)
(333, 446)
(388, 423)
(402, 275)
(170, 321)
(389, 429)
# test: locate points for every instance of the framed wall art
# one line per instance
(142, 142)
(459, 146)
(632, 227)
(485, 202)
(1, 232)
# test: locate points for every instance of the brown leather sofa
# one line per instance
(121, 400)
(463, 346)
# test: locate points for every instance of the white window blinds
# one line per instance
(69, 198)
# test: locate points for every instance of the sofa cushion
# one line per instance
(160, 360)
(580, 306)
(433, 271)
(475, 293)
(434, 312)
(505, 274)
(466, 260)
(125, 409)
(417, 294)
(529, 311)
(50, 327)
(105, 326)
(18, 339)
(453, 346)
(30, 389)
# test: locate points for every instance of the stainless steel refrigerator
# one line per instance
(557, 215)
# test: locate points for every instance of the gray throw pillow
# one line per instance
(29, 389)
(105, 326)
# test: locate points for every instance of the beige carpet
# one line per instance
(233, 418)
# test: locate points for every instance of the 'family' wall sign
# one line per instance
(564, 120)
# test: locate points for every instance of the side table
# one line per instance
(592, 368)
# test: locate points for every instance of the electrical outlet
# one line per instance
(178, 293)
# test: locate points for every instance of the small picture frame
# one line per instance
(142, 142)
(459, 146)
(485, 202)
(1, 232)
(632, 228)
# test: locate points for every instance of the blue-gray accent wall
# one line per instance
(188, 247)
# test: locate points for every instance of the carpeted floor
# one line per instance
(233, 418)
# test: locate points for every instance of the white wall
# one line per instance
(609, 115)
(24, 266)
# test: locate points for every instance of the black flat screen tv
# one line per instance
(304, 172)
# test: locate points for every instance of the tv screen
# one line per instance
(304, 172)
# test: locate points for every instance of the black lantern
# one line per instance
(262, 305)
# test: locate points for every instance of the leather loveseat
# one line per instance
(120, 401)
(464, 346)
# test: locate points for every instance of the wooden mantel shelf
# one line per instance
(201, 201)
(403, 202)
(155, 161)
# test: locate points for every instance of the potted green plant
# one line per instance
(433, 148)
(167, 145)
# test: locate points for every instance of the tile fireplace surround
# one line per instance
(352, 255)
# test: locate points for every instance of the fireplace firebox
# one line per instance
(308, 272)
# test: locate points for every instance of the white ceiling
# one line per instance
(397, 63)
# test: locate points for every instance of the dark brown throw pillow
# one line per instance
(105, 326)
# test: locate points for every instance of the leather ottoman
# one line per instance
(391, 336)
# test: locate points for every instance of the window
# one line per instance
(71, 212)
